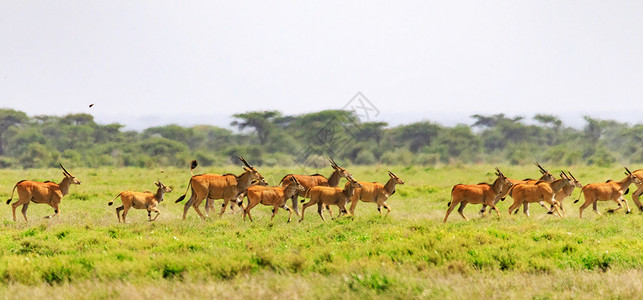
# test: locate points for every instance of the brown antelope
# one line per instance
(464, 194)
(41, 192)
(639, 189)
(275, 196)
(375, 192)
(309, 181)
(146, 200)
(326, 195)
(610, 190)
(565, 192)
(540, 191)
(506, 190)
(212, 186)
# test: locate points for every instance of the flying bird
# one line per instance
(90, 106)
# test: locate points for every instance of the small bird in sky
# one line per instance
(90, 106)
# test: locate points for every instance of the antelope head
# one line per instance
(73, 178)
(352, 182)
(546, 175)
(254, 174)
(163, 187)
(342, 172)
(396, 179)
(295, 184)
(632, 177)
(504, 178)
(575, 181)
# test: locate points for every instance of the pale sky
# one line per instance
(146, 63)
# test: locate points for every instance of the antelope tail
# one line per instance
(112, 202)
(306, 195)
(186, 191)
(579, 195)
(13, 190)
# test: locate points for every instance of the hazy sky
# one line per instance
(146, 63)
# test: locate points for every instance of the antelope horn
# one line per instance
(572, 175)
(542, 170)
(563, 174)
(332, 162)
(244, 162)
(64, 170)
(628, 171)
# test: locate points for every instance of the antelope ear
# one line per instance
(245, 169)
(65, 174)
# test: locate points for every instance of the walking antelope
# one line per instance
(41, 192)
(275, 196)
(375, 192)
(212, 186)
(464, 194)
(146, 200)
(538, 192)
(610, 190)
(309, 181)
(639, 189)
(326, 195)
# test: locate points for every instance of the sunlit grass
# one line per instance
(411, 253)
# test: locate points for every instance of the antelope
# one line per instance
(476, 194)
(212, 186)
(146, 200)
(546, 176)
(610, 190)
(327, 195)
(538, 192)
(565, 192)
(209, 202)
(309, 181)
(42, 192)
(639, 189)
(375, 192)
(275, 196)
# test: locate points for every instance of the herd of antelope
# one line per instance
(545, 189)
(324, 192)
(230, 188)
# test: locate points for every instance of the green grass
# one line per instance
(411, 254)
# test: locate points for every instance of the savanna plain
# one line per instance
(86, 253)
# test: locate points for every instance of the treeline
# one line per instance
(271, 138)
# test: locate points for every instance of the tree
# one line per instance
(8, 118)
(263, 122)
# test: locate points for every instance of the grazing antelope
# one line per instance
(212, 186)
(540, 191)
(375, 192)
(639, 189)
(326, 195)
(41, 192)
(610, 190)
(138, 200)
(477, 194)
(275, 196)
(309, 181)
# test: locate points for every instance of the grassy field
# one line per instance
(86, 253)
